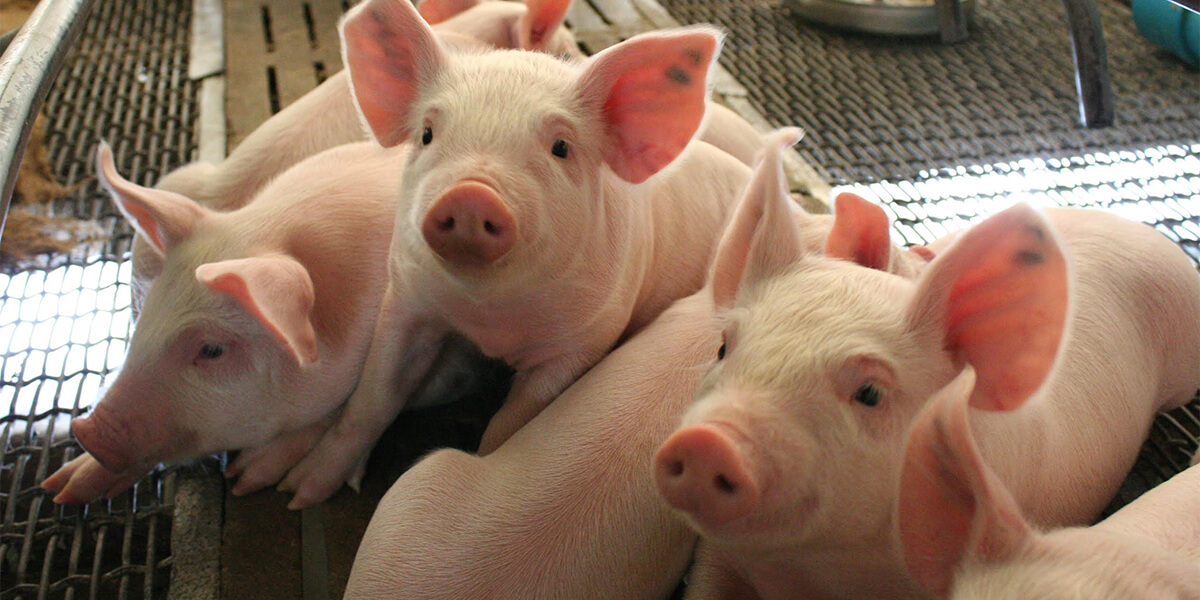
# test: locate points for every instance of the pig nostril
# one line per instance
(724, 484)
(676, 468)
(446, 224)
(491, 228)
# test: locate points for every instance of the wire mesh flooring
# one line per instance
(64, 321)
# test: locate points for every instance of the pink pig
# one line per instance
(255, 331)
(326, 117)
(964, 536)
(565, 508)
(787, 464)
(535, 220)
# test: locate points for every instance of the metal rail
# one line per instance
(27, 69)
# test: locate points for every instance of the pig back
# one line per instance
(689, 206)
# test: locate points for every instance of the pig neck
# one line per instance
(871, 567)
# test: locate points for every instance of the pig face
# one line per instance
(796, 435)
(220, 326)
(964, 536)
(509, 174)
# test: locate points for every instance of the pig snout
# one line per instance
(470, 226)
(701, 471)
(102, 437)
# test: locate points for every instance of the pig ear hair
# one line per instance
(763, 236)
(651, 91)
(541, 20)
(998, 298)
(436, 11)
(860, 232)
(276, 290)
(952, 508)
(164, 218)
(389, 52)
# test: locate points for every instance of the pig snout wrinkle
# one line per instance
(700, 471)
(470, 226)
(100, 440)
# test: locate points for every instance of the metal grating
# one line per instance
(64, 322)
(887, 108)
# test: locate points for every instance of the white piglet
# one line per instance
(787, 463)
(549, 209)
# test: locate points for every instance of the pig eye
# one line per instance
(427, 136)
(211, 351)
(867, 395)
(721, 352)
(559, 149)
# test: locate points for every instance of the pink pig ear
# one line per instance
(763, 235)
(164, 218)
(276, 290)
(860, 232)
(436, 11)
(951, 506)
(998, 298)
(541, 20)
(390, 52)
(651, 91)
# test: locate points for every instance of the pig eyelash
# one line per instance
(210, 352)
(559, 149)
(868, 395)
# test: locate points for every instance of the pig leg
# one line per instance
(531, 392)
(83, 478)
(711, 578)
(402, 352)
(256, 468)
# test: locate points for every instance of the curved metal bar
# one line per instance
(27, 69)
(1092, 81)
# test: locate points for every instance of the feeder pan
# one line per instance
(887, 17)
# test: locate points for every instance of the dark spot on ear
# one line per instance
(695, 56)
(678, 75)
(377, 15)
(1029, 257)
(1036, 231)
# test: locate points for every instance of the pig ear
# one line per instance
(997, 297)
(164, 218)
(276, 290)
(860, 232)
(390, 52)
(541, 20)
(650, 91)
(763, 236)
(436, 11)
(951, 506)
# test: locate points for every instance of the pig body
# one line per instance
(832, 360)
(985, 548)
(541, 220)
(256, 330)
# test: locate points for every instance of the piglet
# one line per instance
(257, 327)
(787, 463)
(965, 537)
(550, 209)
(326, 116)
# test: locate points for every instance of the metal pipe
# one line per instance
(27, 69)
